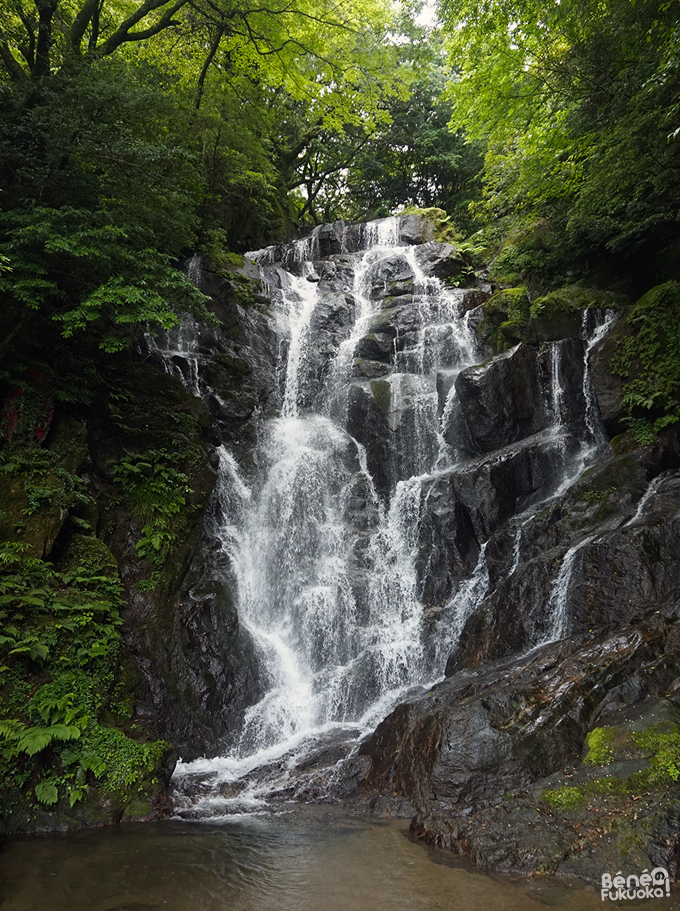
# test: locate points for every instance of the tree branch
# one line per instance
(200, 86)
(14, 68)
(123, 34)
(46, 11)
(28, 52)
(94, 27)
(80, 23)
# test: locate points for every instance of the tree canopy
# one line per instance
(579, 104)
(133, 132)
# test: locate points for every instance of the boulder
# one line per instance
(439, 260)
(415, 229)
(480, 755)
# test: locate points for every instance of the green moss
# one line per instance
(510, 303)
(565, 798)
(511, 330)
(91, 555)
(574, 297)
(600, 743)
(608, 787)
(444, 229)
(661, 744)
(36, 492)
(382, 394)
(597, 496)
(648, 359)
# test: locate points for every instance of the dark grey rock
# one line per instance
(439, 260)
(415, 229)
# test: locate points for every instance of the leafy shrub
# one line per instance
(649, 362)
(156, 491)
(61, 643)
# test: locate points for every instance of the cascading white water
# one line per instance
(339, 635)
(333, 607)
(557, 613)
(604, 321)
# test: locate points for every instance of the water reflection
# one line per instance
(312, 859)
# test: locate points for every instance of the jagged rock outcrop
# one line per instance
(478, 756)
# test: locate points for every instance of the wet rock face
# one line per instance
(231, 367)
(608, 387)
(476, 736)
(604, 583)
(509, 397)
(198, 664)
(475, 754)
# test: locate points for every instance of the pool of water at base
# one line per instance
(307, 859)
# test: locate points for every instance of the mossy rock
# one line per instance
(512, 331)
(39, 485)
(559, 314)
(382, 394)
(385, 319)
(508, 304)
(574, 297)
(624, 443)
(68, 440)
(235, 365)
(154, 397)
(444, 230)
(505, 313)
(91, 553)
(369, 369)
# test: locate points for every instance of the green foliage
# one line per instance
(45, 482)
(156, 491)
(531, 253)
(565, 798)
(61, 641)
(578, 105)
(46, 791)
(513, 302)
(70, 254)
(415, 159)
(649, 361)
(600, 742)
(598, 496)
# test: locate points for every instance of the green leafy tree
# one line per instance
(578, 103)
(416, 158)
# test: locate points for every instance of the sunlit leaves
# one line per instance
(577, 102)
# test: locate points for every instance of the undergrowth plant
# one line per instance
(65, 723)
(156, 492)
(649, 362)
(44, 481)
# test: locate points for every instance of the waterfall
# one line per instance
(557, 608)
(603, 322)
(324, 558)
(338, 627)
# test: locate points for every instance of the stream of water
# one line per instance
(317, 859)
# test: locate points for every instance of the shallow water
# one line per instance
(311, 859)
